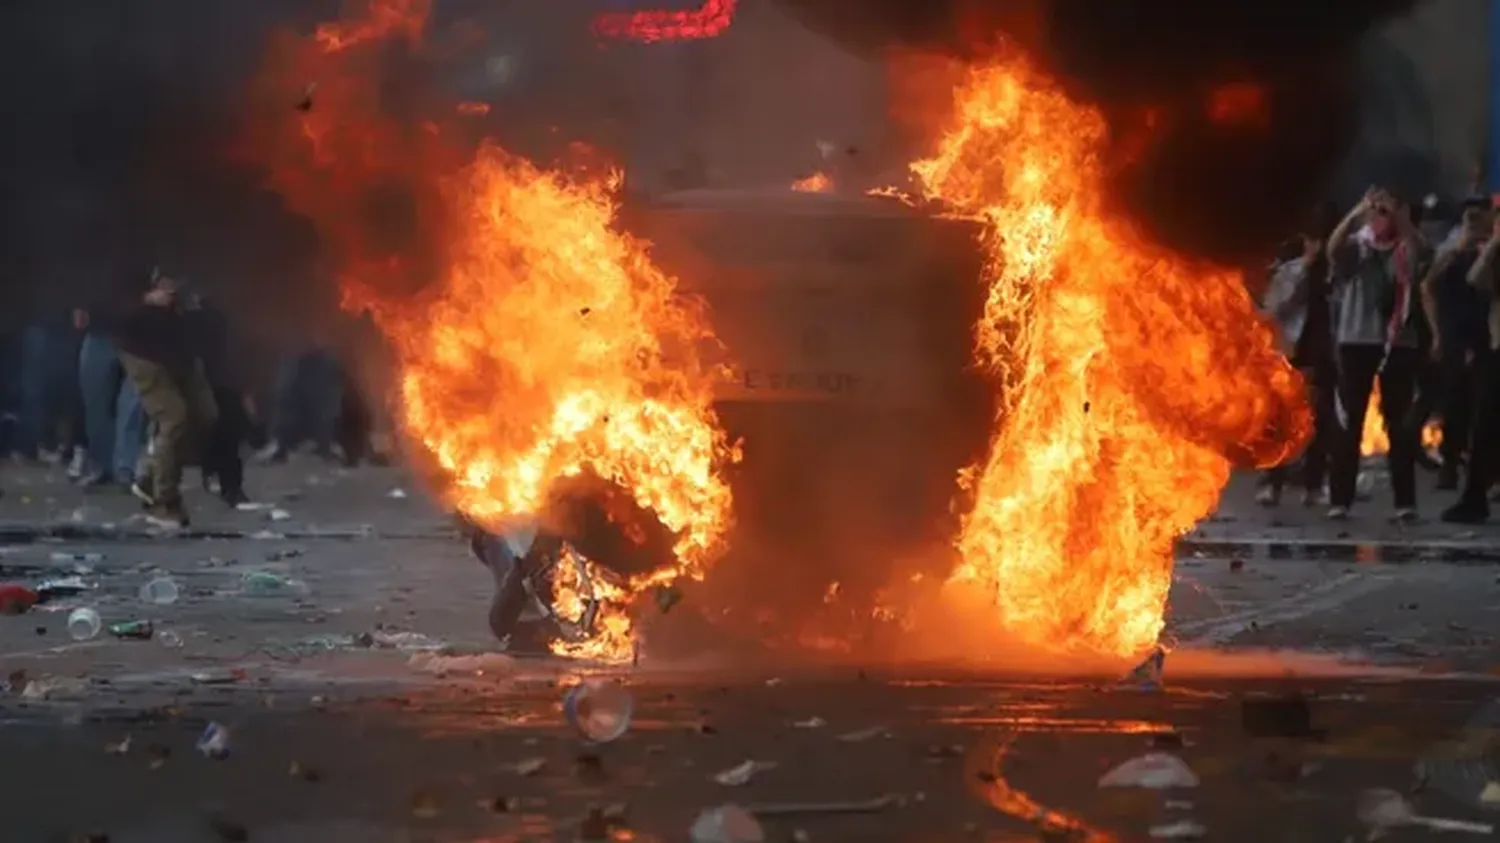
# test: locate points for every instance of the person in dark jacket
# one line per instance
(221, 453)
(158, 352)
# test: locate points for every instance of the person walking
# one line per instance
(156, 349)
(1375, 254)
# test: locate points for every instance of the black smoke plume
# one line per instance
(1215, 190)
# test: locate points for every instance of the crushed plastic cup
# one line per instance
(600, 711)
(727, 824)
(214, 742)
(169, 639)
(84, 624)
(267, 584)
(160, 590)
(1152, 771)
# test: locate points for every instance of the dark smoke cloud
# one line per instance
(125, 124)
(1219, 192)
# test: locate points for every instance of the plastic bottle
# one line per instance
(267, 584)
(600, 711)
(84, 624)
(161, 590)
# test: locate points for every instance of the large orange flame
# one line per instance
(544, 344)
(1128, 374)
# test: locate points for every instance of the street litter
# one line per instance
(132, 630)
(252, 506)
(1382, 809)
(52, 589)
(727, 824)
(1179, 830)
(120, 747)
(774, 681)
(55, 688)
(90, 558)
(862, 735)
(410, 642)
(1153, 771)
(600, 711)
(16, 599)
(15, 683)
(741, 774)
(214, 742)
(397, 494)
(1491, 794)
(158, 755)
(279, 515)
(809, 723)
(1146, 676)
(168, 638)
(218, 677)
(484, 664)
(267, 535)
(529, 767)
(267, 584)
(790, 809)
(84, 624)
(160, 590)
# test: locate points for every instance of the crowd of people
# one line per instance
(1398, 295)
(141, 384)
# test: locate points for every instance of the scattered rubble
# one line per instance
(1179, 830)
(1382, 809)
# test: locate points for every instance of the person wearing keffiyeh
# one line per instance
(1375, 256)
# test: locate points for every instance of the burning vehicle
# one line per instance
(852, 397)
(1012, 380)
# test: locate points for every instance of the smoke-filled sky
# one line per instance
(121, 117)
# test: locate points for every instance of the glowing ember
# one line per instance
(815, 183)
(1127, 373)
(707, 21)
(546, 345)
(1375, 439)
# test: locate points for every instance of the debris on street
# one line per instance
(16, 599)
(726, 824)
(1382, 809)
(160, 591)
(1179, 830)
(813, 722)
(1153, 771)
(55, 688)
(120, 747)
(862, 735)
(214, 742)
(600, 711)
(132, 630)
(741, 774)
(862, 806)
(84, 624)
(529, 767)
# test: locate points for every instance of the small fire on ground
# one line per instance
(1375, 439)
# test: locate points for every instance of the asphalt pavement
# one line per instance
(338, 637)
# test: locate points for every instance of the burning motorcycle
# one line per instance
(566, 580)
